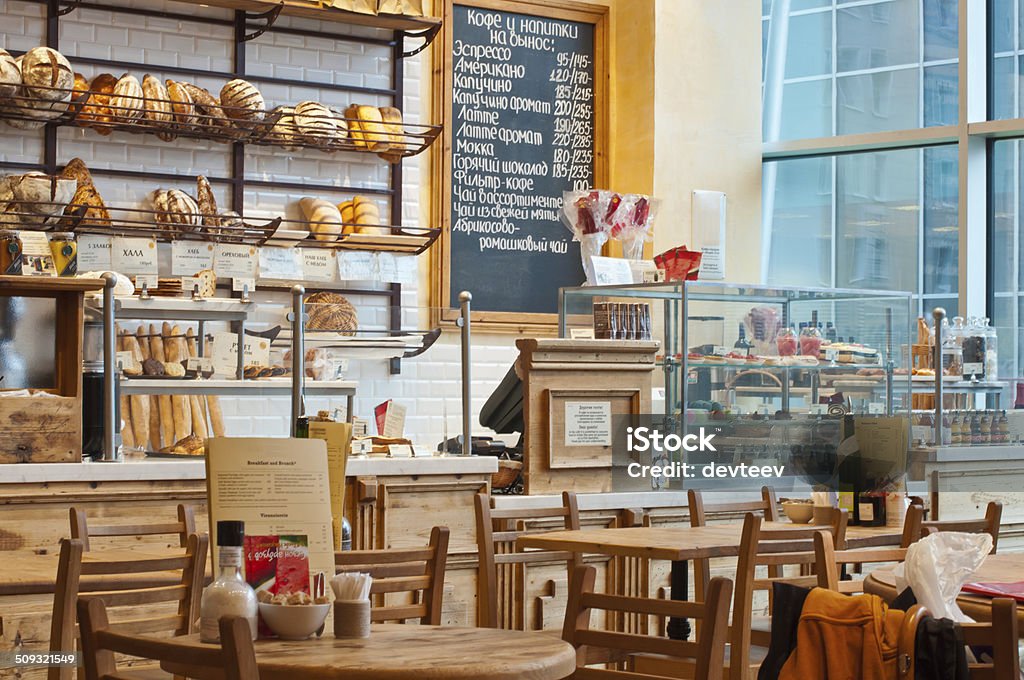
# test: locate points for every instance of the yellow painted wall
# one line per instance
(708, 121)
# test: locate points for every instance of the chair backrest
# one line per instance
(601, 647)
(234, 659)
(775, 549)
(150, 585)
(418, 572)
(989, 524)
(828, 562)
(1000, 635)
(184, 527)
(496, 534)
(700, 513)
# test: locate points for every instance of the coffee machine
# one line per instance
(93, 409)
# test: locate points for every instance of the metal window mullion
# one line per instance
(920, 223)
(834, 214)
(972, 155)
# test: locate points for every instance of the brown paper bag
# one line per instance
(412, 8)
(361, 6)
(389, 7)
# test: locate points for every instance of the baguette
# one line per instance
(154, 402)
(140, 419)
(181, 406)
(166, 410)
(127, 436)
(216, 416)
(198, 416)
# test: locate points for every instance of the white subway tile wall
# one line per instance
(429, 385)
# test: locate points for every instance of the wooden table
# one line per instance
(400, 652)
(681, 544)
(1005, 568)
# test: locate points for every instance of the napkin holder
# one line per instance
(351, 618)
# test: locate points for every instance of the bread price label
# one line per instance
(255, 352)
(190, 257)
(94, 253)
(319, 264)
(280, 263)
(134, 256)
(232, 260)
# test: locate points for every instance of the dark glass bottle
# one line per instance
(742, 345)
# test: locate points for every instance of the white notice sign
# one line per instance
(93, 253)
(234, 261)
(318, 264)
(356, 266)
(134, 256)
(588, 423)
(188, 258)
(225, 353)
(280, 263)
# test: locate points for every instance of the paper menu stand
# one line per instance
(339, 444)
(390, 418)
(276, 486)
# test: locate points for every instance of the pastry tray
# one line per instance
(175, 456)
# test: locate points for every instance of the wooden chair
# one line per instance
(699, 512)
(184, 527)
(1000, 634)
(828, 562)
(417, 571)
(147, 590)
(987, 525)
(496, 534)
(601, 647)
(234, 659)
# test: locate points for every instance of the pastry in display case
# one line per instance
(781, 375)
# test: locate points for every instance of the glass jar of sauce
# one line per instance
(65, 253)
(10, 252)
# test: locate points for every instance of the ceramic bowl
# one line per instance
(798, 513)
(294, 622)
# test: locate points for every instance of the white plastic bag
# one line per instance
(938, 566)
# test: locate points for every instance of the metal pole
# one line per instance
(298, 354)
(467, 403)
(111, 426)
(938, 314)
(889, 364)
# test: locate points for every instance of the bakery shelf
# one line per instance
(263, 387)
(390, 144)
(312, 10)
(822, 366)
(177, 309)
(148, 223)
(369, 344)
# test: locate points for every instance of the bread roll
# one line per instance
(348, 217)
(97, 110)
(47, 75)
(10, 74)
(367, 216)
(324, 218)
(371, 126)
(80, 90)
(395, 136)
(242, 101)
(96, 214)
(176, 210)
(183, 109)
(211, 115)
(317, 124)
(126, 103)
(210, 216)
(156, 104)
(284, 131)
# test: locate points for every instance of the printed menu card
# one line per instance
(280, 488)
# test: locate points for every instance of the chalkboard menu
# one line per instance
(523, 119)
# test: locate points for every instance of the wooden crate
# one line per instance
(48, 428)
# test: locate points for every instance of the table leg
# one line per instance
(679, 629)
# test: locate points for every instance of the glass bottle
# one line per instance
(991, 350)
(831, 334)
(954, 431)
(975, 429)
(993, 437)
(742, 346)
(229, 594)
(786, 341)
(1004, 428)
(985, 428)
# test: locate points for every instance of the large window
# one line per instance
(878, 173)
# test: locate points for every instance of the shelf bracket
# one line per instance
(427, 35)
(270, 16)
(71, 7)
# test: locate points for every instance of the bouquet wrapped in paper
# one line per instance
(580, 210)
(597, 215)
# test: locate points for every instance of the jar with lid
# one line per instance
(991, 350)
(11, 257)
(810, 341)
(229, 594)
(786, 342)
(64, 249)
(955, 435)
(952, 353)
(974, 349)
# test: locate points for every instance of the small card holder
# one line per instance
(351, 618)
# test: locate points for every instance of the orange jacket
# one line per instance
(840, 637)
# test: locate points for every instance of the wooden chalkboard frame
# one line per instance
(446, 309)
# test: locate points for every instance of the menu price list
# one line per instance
(523, 133)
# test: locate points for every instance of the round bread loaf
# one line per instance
(284, 131)
(331, 312)
(207, 206)
(211, 115)
(316, 123)
(10, 74)
(47, 75)
(156, 102)
(96, 110)
(242, 101)
(176, 210)
(126, 102)
(183, 109)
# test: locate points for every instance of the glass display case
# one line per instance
(777, 373)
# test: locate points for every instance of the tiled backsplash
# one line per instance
(429, 385)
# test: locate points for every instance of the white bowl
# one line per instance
(294, 622)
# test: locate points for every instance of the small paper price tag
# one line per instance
(360, 427)
(124, 359)
(831, 354)
(420, 451)
(256, 352)
(231, 260)
(240, 284)
(190, 257)
(361, 447)
(199, 364)
(720, 351)
(400, 451)
(318, 264)
(876, 409)
(149, 281)
(581, 333)
(134, 256)
(93, 253)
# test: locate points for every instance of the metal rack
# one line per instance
(401, 28)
